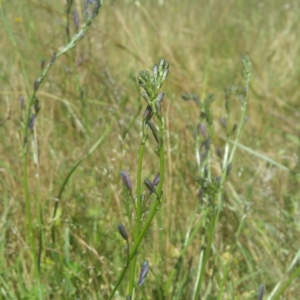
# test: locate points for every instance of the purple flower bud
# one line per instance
(148, 113)
(160, 97)
(126, 180)
(260, 292)
(76, 20)
(36, 85)
(86, 7)
(22, 102)
(203, 130)
(31, 122)
(158, 109)
(43, 63)
(154, 130)
(219, 152)
(228, 169)
(96, 8)
(143, 273)
(156, 180)
(223, 122)
(234, 128)
(241, 98)
(122, 231)
(150, 186)
(53, 58)
(207, 144)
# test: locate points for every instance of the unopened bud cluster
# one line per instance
(151, 85)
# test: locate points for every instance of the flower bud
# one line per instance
(223, 122)
(234, 128)
(165, 74)
(43, 61)
(146, 97)
(143, 273)
(160, 97)
(154, 130)
(219, 152)
(161, 62)
(148, 113)
(158, 108)
(155, 71)
(260, 292)
(53, 58)
(156, 180)
(228, 169)
(31, 122)
(76, 20)
(22, 102)
(122, 231)
(203, 130)
(36, 85)
(126, 180)
(150, 186)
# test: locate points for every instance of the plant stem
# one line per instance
(138, 208)
(152, 214)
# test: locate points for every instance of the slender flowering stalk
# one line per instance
(28, 125)
(153, 113)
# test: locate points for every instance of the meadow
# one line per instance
(82, 210)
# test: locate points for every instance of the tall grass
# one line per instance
(228, 225)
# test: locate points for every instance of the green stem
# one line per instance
(204, 255)
(138, 208)
(289, 281)
(152, 214)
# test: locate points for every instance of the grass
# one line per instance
(89, 127)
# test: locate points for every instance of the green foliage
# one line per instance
(206, 209)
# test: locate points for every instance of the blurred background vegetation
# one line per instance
(94, 86)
